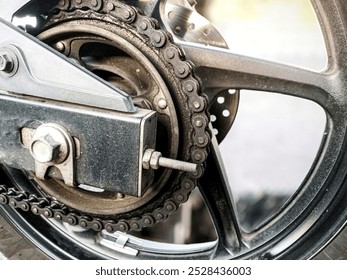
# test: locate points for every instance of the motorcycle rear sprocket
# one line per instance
(188, 100)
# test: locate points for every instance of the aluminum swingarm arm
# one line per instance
(30, 67)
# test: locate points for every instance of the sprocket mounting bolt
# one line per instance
(162, 104)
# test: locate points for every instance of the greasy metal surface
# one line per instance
(181, 18)
(185, 24)
(51, 146)
(111, 143)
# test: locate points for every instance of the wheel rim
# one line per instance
(307, 207)
(300, 221)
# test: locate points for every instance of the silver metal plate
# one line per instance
(60, 78)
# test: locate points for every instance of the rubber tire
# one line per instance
(14, 246)
(337, 249)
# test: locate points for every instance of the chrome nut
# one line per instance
(49, 144)
(45, 149)
(154, 162)
(147, 159)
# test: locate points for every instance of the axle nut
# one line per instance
(45, 149)
(49, 144)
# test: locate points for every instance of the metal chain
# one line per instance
(197, 103)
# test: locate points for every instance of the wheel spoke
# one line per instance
(215, 189)
(329, 15)
(219, 68)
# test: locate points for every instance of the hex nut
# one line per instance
(45, 149)
(6, 63)
(49, 145)
(147, 158)
(154, 162)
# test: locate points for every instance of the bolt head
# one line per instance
(49, 144)
(162, 104)
(6, 63)
(45, 149)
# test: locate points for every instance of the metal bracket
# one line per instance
(110, 150)
(124, 243)
(118, 242)
(52, 146)
(61, 80)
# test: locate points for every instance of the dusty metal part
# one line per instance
(104, 148)
(52, 146)
(186, 24)
(102, 49)
(173, 188)
(297, 230)
(73, 84)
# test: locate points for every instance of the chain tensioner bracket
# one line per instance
(97, 148)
